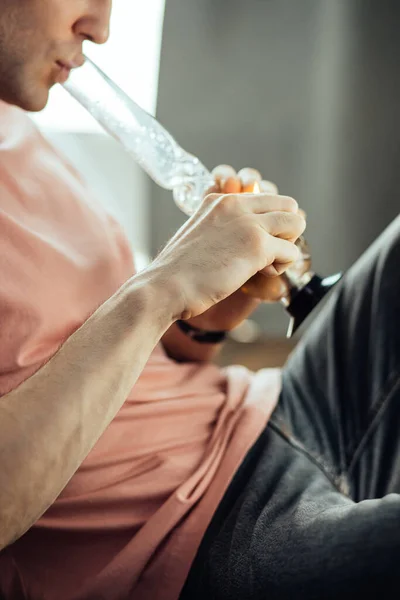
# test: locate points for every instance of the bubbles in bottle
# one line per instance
(151, 146)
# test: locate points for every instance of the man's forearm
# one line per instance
(50, 422)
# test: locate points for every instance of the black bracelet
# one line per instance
(201, 335)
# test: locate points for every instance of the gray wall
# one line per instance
(305, 90)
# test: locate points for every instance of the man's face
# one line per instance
(38, 37)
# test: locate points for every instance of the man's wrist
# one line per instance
(202, 336)
(163, 294)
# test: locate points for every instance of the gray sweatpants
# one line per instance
(314, 510)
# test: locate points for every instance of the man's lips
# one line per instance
(63, 72)
(71, 64)
(65, 67)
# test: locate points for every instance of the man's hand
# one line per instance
(230, 312)
(229, 239)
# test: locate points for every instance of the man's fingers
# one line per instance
(226, 179)
(230, 182)
(264, 203)
(280, 255)
(285, 225)
(223, 172)
(231, 185)
(249, 177)
(268, 187)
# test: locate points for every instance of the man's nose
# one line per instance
(94, 25)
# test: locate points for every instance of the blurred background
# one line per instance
(306, 91)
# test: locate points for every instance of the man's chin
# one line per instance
(35, 102)
(31, 101)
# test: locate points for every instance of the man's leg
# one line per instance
(292, 524)
(283, 531)
(341, 387)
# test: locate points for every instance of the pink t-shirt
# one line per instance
(129, 522)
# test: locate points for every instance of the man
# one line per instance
(125, 472)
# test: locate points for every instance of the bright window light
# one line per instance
(131, 57)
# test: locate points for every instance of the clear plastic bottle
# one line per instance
(151, 146)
